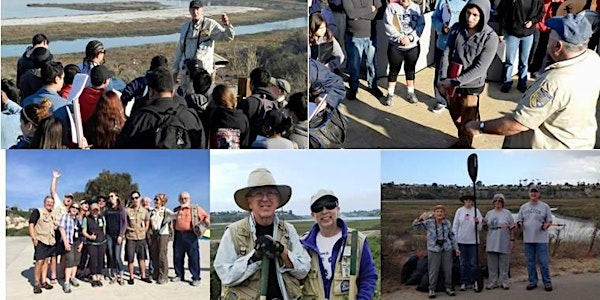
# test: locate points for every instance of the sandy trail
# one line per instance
(118, 17)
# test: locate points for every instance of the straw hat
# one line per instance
(262, 178)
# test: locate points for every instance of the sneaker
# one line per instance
(375, 91)
(438, 108)
(505, 286)
(431, 294)
(351, 95)
(67, 288)
(195, 282)
(388, 100)
(450, 292)
(531, 286)
(548, 287)
(463, 287)
(412, 98)
(161, 281)
(74, 282)
(37, 289)
(47, 286)
(506, 87)
(176, 279)
(491, 286)
(130, 281)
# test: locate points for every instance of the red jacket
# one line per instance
(548, 13)
(87, 102)
(65, 91)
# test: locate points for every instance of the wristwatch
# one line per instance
(481, 126)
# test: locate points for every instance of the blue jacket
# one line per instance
(367, 275)
(455, 7)
(332, 83)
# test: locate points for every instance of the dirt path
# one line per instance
(118, 17)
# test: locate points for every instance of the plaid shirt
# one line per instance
(435, 232)
(68, 223)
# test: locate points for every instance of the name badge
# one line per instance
(345, 286)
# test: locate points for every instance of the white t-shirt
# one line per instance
(325, 246)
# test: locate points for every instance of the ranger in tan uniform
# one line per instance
(330, 243)
(558, 110)
(41, 230)
(261, 235)
(138, 221)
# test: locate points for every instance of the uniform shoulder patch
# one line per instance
(540, 97)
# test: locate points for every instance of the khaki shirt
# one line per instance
(560, 107)
(136, 223)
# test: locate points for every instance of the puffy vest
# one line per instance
(243, 242)
(44, 228)
(136, 228)
(313, 288)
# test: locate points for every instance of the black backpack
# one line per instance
(170, 133)
(327, 130)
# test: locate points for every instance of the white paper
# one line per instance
(79, 83)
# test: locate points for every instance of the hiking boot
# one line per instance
(388, 100)
(351, 95)
(47, 286)
(161, 281)
(463, 287)
(195, 282)
(506, 87)
(37, 289)
(375, 91)
(412, 98)
(531, 286)
(99, 283)
(450, 292)
(548, 287)
(130, 281)
(505, 286)
(491, 286)
(431, 294)
(74, 282)
(438, 108)
(67, 288)
(176, 279)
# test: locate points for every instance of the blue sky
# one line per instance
(29, 173)
(495, 166)
(353, 175)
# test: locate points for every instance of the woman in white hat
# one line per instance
(500, 241)
(262, 235)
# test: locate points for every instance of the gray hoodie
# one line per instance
(475, 53)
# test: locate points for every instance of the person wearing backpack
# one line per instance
(137, 89)
(190, 218)
(160, 217)
(164, 123)
(330, 244)
(260, 102)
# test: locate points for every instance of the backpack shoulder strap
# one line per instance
(195, 219)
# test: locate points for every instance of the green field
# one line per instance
(371, 227)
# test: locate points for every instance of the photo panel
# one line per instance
(122, 192)
(525, 203)
(246, 189)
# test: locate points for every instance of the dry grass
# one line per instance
(400, 241)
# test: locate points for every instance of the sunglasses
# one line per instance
(319, 206)
(135, 197)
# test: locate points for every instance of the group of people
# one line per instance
(460, 237)
(41, 109)
(87, 239)
(557, 111)
(318, 265)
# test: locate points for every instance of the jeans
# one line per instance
(356, 47)
(114, 252)
(468, 264)
(512, 44)
(537, 252)
(186, 243)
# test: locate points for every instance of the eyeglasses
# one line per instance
(320, 205)
(135, 197)
(271, 194)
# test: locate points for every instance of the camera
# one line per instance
(439, 242)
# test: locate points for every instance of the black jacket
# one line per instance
(227, 122)
(254, 108)
(512, 15)
(138, 132)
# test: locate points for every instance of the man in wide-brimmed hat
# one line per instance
(463, 226)
(262, 235)
(328, 239)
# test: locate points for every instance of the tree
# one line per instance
(479, 183)
(435, 185)
(108, 182)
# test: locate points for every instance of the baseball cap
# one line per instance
(41, 55)
(281, 84)
(196, 3)
(574, 29)
(69, 195)
(84, 201)
(322, 193)
(99, 74)
(534, 187)
(95, 206)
